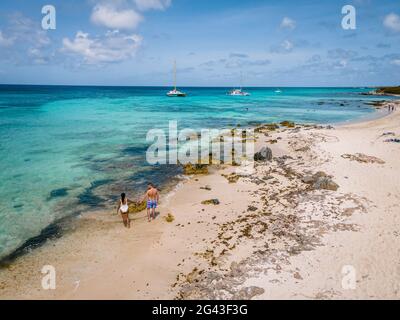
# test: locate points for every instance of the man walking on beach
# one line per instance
(152, 197)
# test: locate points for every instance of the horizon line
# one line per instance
(195, 86)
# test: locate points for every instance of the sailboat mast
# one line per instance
(175, 74)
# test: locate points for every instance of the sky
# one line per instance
(135, 42)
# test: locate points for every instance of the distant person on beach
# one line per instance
(123, 209)
(152, 197)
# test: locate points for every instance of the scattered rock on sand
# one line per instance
(303, 149)
(248, 293)
(191, 277)
(288, 124)
(236, 270)
(265, 154)
(189, 169)
(207, 187)
(363, 158)
(271, 126)
(320, 180)
(232, 178)
(297, 276)
(215, 202)
(267, 127)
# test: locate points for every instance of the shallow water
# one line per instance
(65, 150)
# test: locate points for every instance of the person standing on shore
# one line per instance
(123, 209)
(152, 198)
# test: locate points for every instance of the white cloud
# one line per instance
(24, 31)
(5, 42)
(396, 62)
(113, 47)
(288, 23)
(285, 47)
(392, 22)
(340, 64)
(342, 54)
(238, 55)
(23, 41)
(144, 5)
(108, 16)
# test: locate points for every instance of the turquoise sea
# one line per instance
(66, 150)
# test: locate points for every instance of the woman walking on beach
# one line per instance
(123, 209)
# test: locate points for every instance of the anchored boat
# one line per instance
(175, 92)
(239, 92)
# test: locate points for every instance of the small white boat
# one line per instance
(175, 92)
(239, 92)
(278, 91)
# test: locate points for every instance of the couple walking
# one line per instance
(391, 108)
(152, 199)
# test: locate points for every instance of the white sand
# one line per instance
(292, 246)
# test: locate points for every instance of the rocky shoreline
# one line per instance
(277, 224)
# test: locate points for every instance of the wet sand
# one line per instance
(281, 233)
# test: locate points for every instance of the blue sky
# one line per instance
(134, 42)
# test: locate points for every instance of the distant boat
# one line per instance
(175, 92)
(239, 92)
(278, 91)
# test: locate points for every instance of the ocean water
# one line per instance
(67, 150)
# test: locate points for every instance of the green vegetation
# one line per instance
(190, 169)
(389, 90)
(288, 124)
(170, 218)
(137, 206)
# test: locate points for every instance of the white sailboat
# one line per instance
(175, 92)
(239, 92)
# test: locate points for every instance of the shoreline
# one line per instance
(160, 234)
(58, 227)
(95, 187)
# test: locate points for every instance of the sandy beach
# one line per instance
(323, 210)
